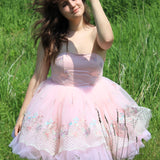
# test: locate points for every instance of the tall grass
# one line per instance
(133, 62)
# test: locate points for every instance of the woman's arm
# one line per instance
(40, 74)
(104, 31)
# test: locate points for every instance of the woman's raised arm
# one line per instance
(104, 31)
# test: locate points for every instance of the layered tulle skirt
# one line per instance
(96, 122)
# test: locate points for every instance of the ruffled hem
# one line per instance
(101, 152)
(31, 152)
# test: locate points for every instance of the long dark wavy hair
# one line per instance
(52, 27)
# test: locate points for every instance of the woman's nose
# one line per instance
(72, 3)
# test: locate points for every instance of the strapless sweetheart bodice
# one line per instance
(77, 69)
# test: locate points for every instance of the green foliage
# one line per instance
(121, 7)
(133, 61)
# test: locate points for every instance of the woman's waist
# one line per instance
(70, 80)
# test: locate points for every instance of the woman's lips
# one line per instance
(75, 10)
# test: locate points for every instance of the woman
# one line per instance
(76, 113)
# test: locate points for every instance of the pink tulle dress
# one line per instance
(77, 114)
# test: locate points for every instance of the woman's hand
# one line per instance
(92, 0)
(18, 125)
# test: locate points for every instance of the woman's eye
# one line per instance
(64, 4)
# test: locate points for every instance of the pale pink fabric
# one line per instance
(79, 114)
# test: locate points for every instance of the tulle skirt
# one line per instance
(96, 122)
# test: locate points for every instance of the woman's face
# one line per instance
(71, 9)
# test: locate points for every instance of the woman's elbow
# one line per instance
(106, 44)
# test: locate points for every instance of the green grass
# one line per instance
(133, 62)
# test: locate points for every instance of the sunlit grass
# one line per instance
(133, 62)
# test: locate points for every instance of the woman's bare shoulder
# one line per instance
(91, 27)
(93, 30)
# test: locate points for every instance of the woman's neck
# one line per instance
(76, 25)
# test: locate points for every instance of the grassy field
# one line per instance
(133, 62)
